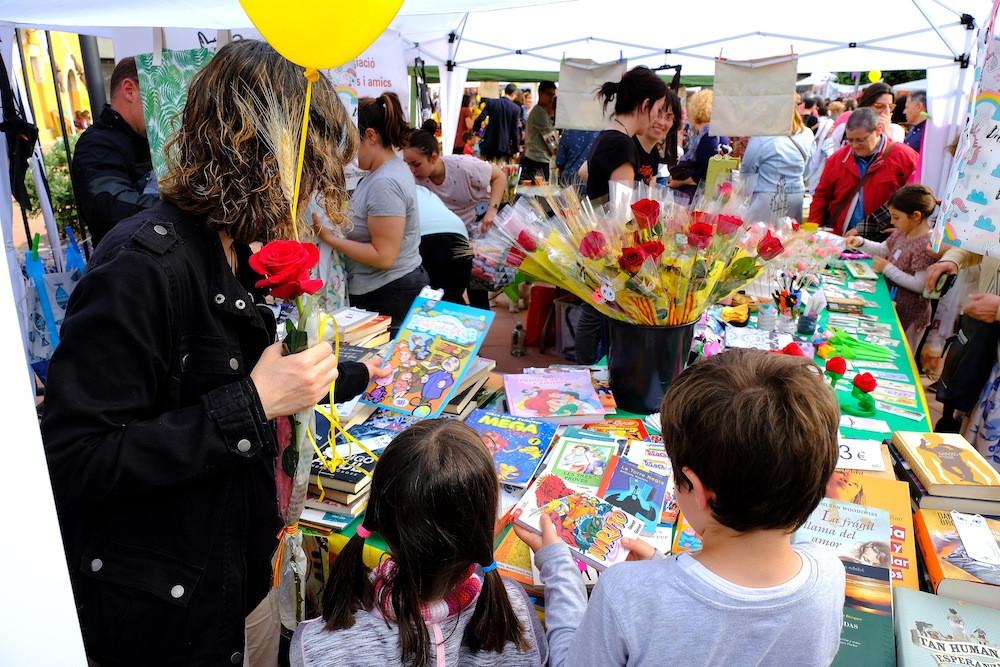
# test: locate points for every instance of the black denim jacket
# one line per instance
(161, 458)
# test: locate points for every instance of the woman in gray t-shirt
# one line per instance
(381, 251)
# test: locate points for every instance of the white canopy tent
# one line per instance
(456, 35)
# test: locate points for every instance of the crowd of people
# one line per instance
(168, 382)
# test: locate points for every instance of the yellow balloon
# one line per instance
(875, 75)
(320, 33)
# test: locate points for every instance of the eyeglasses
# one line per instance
(862, 140)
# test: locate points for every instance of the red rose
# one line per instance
(699, 216)
(729, 224)
(836, 365)
(865, 382)
(700, 235)
(769, 246)
(646, 212)
(525, 241)
(632, 258)
(725, 189)
(593, 245)
(652, 248)
(285, 266)
(793, 350)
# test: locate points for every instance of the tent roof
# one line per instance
(525, 36)
(528, 76)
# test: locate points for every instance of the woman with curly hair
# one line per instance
(167, 382)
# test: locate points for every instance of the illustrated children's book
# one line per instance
(592, 527)
(932, 631)
(581, 462)
(961, 553)
(947, 465)
(637, 491)
(429, 357)
(860, 537)
(599, 376)
(633, 429)
(872, 491)
(685, 537)
(518, 445)
(565, 397)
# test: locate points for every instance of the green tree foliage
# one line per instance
(891, 77)
(63, 203)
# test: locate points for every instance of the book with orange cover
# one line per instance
(955, 568)
(890, 495)
(514, 558)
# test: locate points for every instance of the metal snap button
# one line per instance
(160, 229)
(96, 564)
(220, 298)
(243, 445)
(234, 364)
(177, 591)
(236, 658)
(240, 303)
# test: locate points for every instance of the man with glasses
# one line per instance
(861, 176)
(535, 161)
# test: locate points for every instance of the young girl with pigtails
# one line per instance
(438, 599)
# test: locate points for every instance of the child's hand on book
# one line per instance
(536, 541)
(638, 549)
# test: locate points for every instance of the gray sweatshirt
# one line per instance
(372, 642)
(675, 611)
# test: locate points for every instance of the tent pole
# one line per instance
(81, 233)
(940, 34)
(25, 73)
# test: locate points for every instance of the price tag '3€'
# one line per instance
(861, 455)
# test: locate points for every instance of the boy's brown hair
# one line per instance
(760, 431)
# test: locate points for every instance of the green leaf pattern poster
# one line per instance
(164, 93)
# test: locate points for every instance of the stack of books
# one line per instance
(945, 472)
(472, 389)
(337, 496)
(360, 327)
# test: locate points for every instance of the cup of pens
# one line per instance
(810, 313)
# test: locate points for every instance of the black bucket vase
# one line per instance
(643, 361)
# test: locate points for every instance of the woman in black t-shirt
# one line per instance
(649, 143)
(639, 100)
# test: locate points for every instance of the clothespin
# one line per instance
(34, 246)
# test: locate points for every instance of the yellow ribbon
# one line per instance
(312, 76)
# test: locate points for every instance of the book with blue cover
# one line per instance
(517, 444)
(430, 355)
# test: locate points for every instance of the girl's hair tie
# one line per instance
(363, 532)
(489, 568)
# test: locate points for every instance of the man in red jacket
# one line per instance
(861, 176)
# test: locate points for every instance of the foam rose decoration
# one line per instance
(646, 212)
(285, 266)
(593, 245)
(728, 224)
(835, 369)
(865, 382)
(632, 258)
(525, 241)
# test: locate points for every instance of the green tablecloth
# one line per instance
(885, 312)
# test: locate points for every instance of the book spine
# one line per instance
(932, 564)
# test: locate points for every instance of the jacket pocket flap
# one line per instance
(155, 572)
(211, 354)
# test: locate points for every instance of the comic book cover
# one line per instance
(592, 527)
(652, 457)
(518, 445)
(639, 492)
(581, 462)
(633, 429)
(600, 377)
(431, 353)
(565, 397)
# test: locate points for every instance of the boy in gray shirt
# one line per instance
(752, 437)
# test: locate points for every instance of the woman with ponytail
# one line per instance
(639, 100)
(438, 599)
(381, 250)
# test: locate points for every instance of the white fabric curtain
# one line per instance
(452, 87)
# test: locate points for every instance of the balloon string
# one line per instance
(312, 75)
